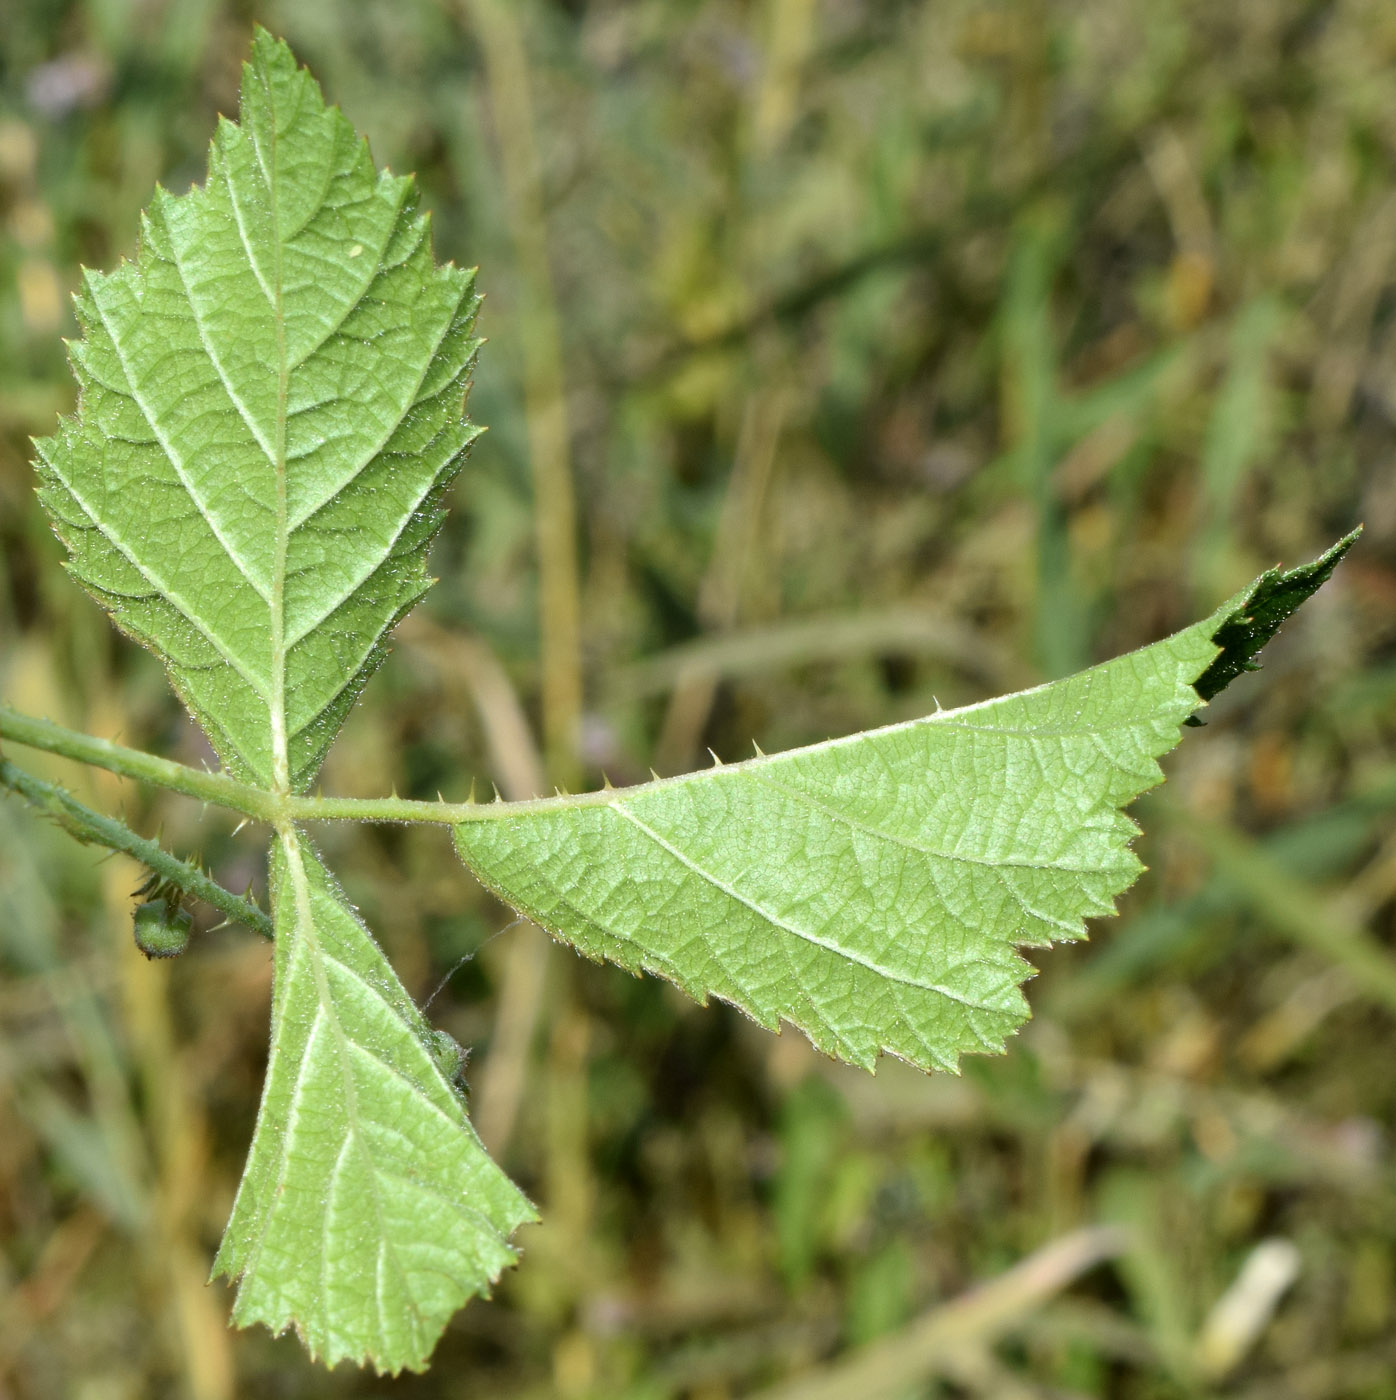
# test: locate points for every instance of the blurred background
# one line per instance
(846, 357)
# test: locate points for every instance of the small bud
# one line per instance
(162, 931)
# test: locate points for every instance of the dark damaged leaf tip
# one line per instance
(1277, 594)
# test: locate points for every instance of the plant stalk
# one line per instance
(498, 28)
(259, 803)
(279, 808)
(98, 829)
(217, 788)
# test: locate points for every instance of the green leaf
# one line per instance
(873, 891)
(368, 1212)
(270, 410)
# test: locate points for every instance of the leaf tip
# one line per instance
(1247, 622)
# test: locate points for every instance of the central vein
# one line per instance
(281, 762)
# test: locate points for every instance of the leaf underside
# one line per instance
(368, 1212)
(270, 408)
(873, 891)
(269, 411)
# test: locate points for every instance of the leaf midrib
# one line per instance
(280, 747)
(305, 926)
(290, 841)
(303, 929)
(950, 857)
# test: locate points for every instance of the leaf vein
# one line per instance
(234, 397)
(166, 592)
(383, 440)
(805, 935)
(882, 834)
(174, 458)
(379, 273)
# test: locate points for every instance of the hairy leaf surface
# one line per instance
(270, 408)
(873, 891)
(368, 1212)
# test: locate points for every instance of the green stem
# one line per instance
(257, 802)
(94, 827)
(132, 763)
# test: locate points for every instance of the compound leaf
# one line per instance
(874, 891)
(270, 409)
(368, 1212)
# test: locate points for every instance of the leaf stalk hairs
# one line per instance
(270, 414)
